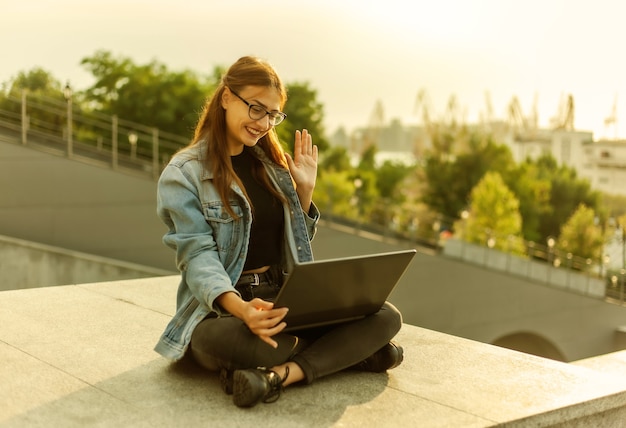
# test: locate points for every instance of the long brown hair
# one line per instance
(211, 127)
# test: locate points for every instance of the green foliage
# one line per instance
(365, 194)
(547, 193)
(567, 192)
(615, 205)
(44, 98)
(148, 94)
(368, 159)
(390, 176)
(303, 111)
(335, 159)
(533, 193)
(153, 96)
(494, 214)
(36, 81)
(621, 221)
(377, 195)
(334, 194)
(450, 179)
(579, 235)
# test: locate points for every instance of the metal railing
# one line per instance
(541, 263)
(546, 265)
(56, 126)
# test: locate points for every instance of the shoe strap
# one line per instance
(275, 385)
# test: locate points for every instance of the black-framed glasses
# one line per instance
(257, 112)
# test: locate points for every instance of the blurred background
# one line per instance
(485, 131)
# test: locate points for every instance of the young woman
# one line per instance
(239, 214)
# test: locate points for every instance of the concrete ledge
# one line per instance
(27, 264)
(524, 267)
(81, 355)
(613, 364)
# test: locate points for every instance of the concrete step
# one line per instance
(81, 355)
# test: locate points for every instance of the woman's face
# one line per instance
(241, 130)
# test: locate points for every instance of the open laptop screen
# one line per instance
(338, 290)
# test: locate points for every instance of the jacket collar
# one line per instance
(207, 170)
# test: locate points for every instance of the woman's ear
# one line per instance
(226, 96)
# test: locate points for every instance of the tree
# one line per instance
(389, 178)
(533, 193)
(368, 159)
(335, 159)
(621, 221)
(334, 194)
(365, 195)
(148, 94)
(44, 97)
(567, 192)
(35, 81)
(494, 216)
(580, 236)
(450, 179)
(615, 205)
(303, 111)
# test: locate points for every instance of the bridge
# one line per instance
(71, 195)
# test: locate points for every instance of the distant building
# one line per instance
(605, 166)
(395, 142)
(602, 162)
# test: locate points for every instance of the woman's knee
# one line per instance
(392, 316)
(228, 343)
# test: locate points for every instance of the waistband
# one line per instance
(253, 279)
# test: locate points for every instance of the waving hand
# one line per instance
(303, 167)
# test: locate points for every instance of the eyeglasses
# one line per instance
(257, 112)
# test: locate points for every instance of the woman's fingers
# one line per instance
(303, 143)
(262, 316)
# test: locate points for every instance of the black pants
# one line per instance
(226, 342)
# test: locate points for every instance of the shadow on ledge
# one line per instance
(166, 394)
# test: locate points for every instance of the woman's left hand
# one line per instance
(303, 167)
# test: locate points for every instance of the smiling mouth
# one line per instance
(253, 131)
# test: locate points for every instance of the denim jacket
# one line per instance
(210, 244)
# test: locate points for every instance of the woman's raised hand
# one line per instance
(303, 167)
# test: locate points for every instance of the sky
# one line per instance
(354, 53)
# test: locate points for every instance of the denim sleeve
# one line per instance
(191, 236)
(311, 219)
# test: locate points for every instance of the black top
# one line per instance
(266, 234)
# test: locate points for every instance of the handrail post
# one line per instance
(70, 142)
(114, 141)
(24, 117)
(155, 152)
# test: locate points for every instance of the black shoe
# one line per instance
(387, 357)
(226, 381)
(252, 386)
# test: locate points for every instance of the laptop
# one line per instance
(337, 290)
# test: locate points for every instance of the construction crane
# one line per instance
(423, 136)
(422, 103)
(612, 120)
(516, 120)
(453, 117)
(375, 124)
(487, 117)
(533, 122)
(564, 120)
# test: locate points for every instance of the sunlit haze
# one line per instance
(354, 52)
